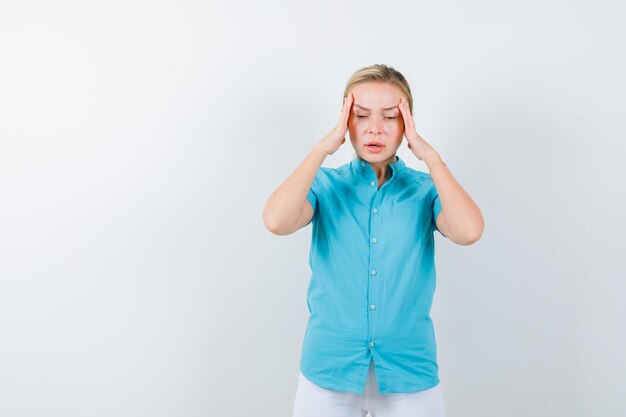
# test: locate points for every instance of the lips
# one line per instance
(374, 146)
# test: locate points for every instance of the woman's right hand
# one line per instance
(336, 137)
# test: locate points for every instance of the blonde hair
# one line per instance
(383, 73)
(380, 72)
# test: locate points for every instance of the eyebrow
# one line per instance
(365, 108)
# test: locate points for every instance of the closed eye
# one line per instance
(385, 117)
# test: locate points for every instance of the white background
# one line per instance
(140, 140)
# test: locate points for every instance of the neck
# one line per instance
(381, 169)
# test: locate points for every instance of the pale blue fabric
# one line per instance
(373, 279)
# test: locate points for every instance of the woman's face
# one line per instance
(375, 116)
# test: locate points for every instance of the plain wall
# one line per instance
(140, 140)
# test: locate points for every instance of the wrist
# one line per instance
(431, 159)
(319, 150)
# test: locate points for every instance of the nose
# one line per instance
(376, 124)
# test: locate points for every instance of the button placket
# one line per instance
(373, 259)
(369, 183)
(375, 223)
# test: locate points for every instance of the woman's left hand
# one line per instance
(420, 148)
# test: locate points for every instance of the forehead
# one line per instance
(358, 106)
(377, 96)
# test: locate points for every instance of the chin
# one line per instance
(381, 156)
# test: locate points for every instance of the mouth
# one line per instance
(374, 146)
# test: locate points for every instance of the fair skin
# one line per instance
(375, 116)
(375, 111)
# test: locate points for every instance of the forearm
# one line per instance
(282, 210)
(463, 217)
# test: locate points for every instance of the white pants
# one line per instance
(314, 401)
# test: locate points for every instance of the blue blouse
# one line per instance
(373, 279)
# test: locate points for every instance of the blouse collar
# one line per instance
(362, 166)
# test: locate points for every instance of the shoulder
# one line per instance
(326, 176)
(421, 182)
(337, 172)
(420, 177)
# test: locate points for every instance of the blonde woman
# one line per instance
(370, 344)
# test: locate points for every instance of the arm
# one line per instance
(460, 219)
(287, 209)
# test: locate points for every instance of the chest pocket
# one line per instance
(406, 217)
(413, 206)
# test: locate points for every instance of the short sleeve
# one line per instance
(436, 209)
(312, 197)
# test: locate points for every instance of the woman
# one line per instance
(370, 342)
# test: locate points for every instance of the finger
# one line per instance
(405, 105)
(349, 99)
(409, 124)
(404, 108)
(343, 108)
(411, 120)
(346, 109)
(405, 116)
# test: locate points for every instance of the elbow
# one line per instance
(274, 227)
(468, 241)
(270, 225)
(269, 222)
(472, 238)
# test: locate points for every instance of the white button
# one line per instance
(373, 272)
(375, 210)
(372, 307)
(374, 240)
(371, 344)
(362, 164)
(373, 183)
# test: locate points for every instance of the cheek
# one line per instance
(396, 125)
